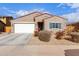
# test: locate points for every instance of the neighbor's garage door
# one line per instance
(24, 28)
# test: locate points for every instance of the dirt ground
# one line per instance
(52, 48)
(35, 41)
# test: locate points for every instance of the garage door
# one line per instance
(24, 28)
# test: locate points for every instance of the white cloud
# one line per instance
(73, 5)
(40, 10)
(60, 4)
(7, 9)
(24, 12)
(72, 17)
(19, 13)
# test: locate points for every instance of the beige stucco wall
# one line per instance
(55, 19)
(40, 18)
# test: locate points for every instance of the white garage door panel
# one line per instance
(24, 28)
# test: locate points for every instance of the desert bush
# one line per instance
(75, 38)
(44, 36)
(36, 33)
(68, 37)
(59, 35)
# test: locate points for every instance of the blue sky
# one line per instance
(69, 11)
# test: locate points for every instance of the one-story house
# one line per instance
(41, 21)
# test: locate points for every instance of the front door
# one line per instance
(41, 25)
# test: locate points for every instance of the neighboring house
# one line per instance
(2, 26)
(6, 20)
(42, 21)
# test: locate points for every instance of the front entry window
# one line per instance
(55, 25)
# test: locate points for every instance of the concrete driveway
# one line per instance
(14, 39)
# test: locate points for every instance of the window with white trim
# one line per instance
(55, 25)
